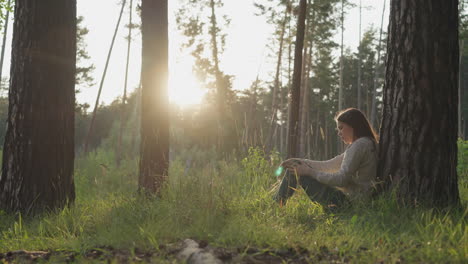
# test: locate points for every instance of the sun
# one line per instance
(185, 89)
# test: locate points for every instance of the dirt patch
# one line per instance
(171, 252)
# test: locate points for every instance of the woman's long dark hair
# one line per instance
(358, 121)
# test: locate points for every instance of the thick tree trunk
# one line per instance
(293, 134)
(154, 150)
(419, 128)
(38, 153)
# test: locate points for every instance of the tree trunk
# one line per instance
(359, 92)
(154, 150)
(220, 89)
(38, 153)
(293, 134)
(276, 85)
(340, 91)
(419, 128)
(5, 33)
(123, 111)
(303, 98)
(304, 133)
(460, 127)
(377, 73)
(103, 78)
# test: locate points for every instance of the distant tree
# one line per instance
(201, 22)
(5, 5)
(38, 154)
(280, 20)
(154, 148)
(418, 150)
(83, 71)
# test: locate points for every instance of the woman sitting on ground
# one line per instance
(349, 176)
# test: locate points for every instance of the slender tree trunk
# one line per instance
(96, 105)
(288, 107)
(460, 113)
(296, 84)
(154, 148)
(359, 92)
(123, 116)
(317, 135)
(220, 89)
(276, 85)
(38, 153)
(5, 32)
(306, 90)
(419, 128)
(326, 137)
(377, 72)
(340, 92)
(303, 98)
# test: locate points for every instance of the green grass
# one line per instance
(229, 204)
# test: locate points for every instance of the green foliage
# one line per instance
(228, 203)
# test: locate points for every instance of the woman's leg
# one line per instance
(287, 187)
(321, 193)
(316, 191)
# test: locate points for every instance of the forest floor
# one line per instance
(223, 211)
(172, 255)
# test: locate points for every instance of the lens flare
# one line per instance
(279, 171)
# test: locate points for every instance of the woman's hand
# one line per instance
(299, 166)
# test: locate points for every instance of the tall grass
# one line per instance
(228, 203)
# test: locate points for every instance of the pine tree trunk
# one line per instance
(276, 85)
(373, 115)
(419, 127)
(154, 148)
(38, 153)
(293, 134)
(359, 85)
(123, 111)
(220, 87)
(303, 99)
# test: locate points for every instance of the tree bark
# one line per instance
(38, 153)
(154, 148)
(418, 152)
(293, 134)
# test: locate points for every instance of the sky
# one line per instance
(245, 57)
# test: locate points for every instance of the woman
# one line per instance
(349, 176)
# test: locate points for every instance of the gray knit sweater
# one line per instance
(353, 172)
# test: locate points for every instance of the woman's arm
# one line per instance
(352, 159)
(310, 167)
(331, 165)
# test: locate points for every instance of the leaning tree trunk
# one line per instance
(276, 85)
(293, 134)
(154, 148)
(419, 127)
(38, 153)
